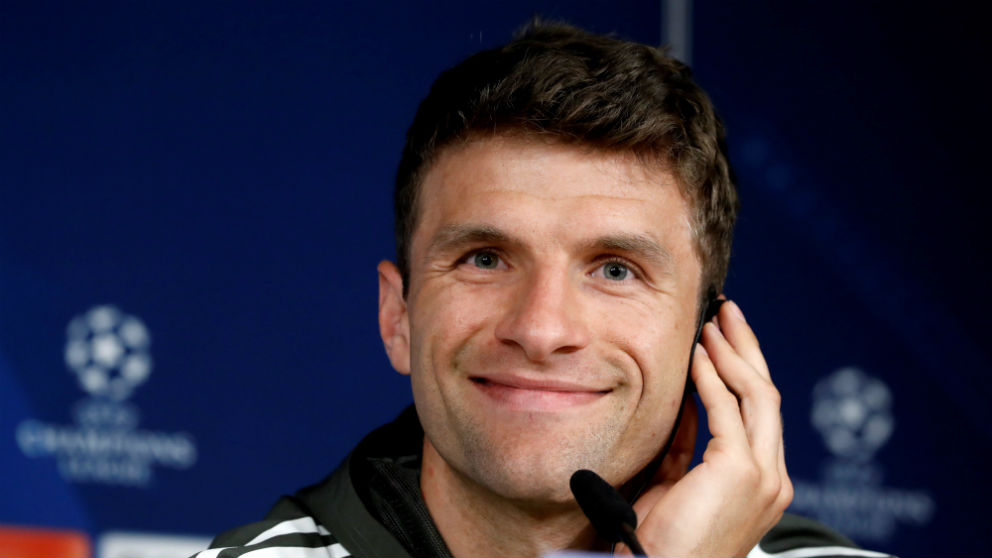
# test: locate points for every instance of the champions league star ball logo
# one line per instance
(108, 351)
(852, 412)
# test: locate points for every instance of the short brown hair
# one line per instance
(559, 81)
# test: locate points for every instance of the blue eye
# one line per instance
(615, 271)
(485, 260)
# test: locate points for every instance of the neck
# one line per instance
(474, 521)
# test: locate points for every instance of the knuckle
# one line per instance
(787, 493)
(728, 398)
(771, 487)
(773, 394)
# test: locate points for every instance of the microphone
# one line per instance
(610, 514)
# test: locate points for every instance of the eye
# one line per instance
(485, 260)
(615, 271)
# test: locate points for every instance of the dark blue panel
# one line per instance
(858, 133)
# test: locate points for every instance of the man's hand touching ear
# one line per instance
(724, 505)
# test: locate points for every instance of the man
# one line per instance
(564, 208)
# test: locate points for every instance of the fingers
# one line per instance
(722, 409)
(759, 400)
(747, 433)
(738, 333)
(733, 352)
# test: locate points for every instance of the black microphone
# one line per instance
(610, 514)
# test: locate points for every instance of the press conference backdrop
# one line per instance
(193, 199)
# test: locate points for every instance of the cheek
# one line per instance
(450, 321)
(660, 346)
(658, 339)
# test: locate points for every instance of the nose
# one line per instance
(545, 317)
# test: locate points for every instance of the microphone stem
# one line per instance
(630, 539)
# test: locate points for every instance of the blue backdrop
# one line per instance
(193, 199)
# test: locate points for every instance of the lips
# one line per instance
(537, 394)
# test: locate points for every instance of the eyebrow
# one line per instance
(642, 246)
(453, 236)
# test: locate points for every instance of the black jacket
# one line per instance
(372, 506)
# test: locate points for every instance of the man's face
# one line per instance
(550, 314)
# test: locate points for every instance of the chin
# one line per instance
(535, 490)
(536, 475)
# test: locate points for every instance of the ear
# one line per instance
(394, 322)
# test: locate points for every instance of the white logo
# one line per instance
(852, 413)
(108, 351)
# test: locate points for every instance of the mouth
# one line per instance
(522, 394)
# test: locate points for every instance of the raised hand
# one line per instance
(724, 505)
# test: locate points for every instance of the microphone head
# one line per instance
(606, 509)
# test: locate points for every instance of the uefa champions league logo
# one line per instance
(853, 413)
(108, 351)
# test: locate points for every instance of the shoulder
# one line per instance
(799, 537)
(287, 532)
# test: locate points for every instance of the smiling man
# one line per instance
(564, 209)
(553, 295)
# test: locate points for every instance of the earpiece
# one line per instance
(713, 305)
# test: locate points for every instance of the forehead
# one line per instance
(503, 169)
(517, 155)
